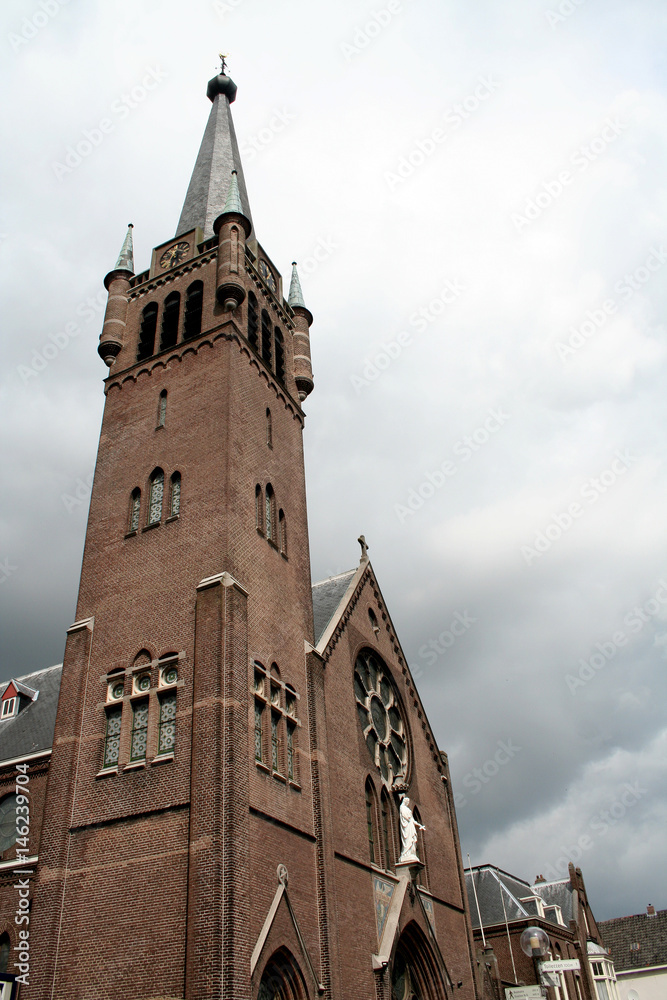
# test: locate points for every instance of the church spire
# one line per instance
(218, 156)
(125, 260)
(295, 294)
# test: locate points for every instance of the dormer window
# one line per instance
(9, 706)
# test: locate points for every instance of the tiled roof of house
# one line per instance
(623, 934)
(32, 728)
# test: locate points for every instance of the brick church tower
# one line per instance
(241, 762)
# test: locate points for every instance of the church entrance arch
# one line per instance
(414, 972)
(282, 978)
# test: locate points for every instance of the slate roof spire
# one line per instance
(295, 297)
(125, 260)
(218, 156)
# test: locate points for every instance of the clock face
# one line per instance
(267, 274)
(174, 255)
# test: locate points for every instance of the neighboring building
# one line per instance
(241, 764)
(508, 905)
(638, 946)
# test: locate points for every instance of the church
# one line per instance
(239, 794)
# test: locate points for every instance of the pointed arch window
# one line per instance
(162, 409)
(175, 495)
(253, 324)
(282, 979)
(194, 301)
(269, 519)
(170, 316)
(135, 509)
(282, 532)
(387, 830)
(269, 428)
(279, 354)
(156, 497)
(421, 848)
(259, 509)
(371, 827)
(266, 337)
(147, 332)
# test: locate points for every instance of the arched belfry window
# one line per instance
(253, 324)
(170, 315)
(135, 509)
(270, 517)
(279, 347)
(147, 332)
(282, 978)
(194, 300)
(156, 497)
(175, 495)
(162, 409)
(266, 337)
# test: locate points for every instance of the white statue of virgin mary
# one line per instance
(409, 828)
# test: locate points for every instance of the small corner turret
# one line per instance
(117, 284)
(230, 290)
(303, 319)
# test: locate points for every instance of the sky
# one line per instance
(475, 196)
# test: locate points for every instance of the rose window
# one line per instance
(380, 717)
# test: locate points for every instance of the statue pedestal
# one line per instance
(411, 868)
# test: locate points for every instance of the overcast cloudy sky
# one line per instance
(475, 193)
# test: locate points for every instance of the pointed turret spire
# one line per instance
(233, 202)
(125, 260)
(295, 297)
(218, 156)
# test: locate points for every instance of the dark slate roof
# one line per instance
(493, 885)
(218, 156)
(650, 933)
(32, 729)
(327, 595)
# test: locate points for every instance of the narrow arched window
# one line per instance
(282, 532)
(266, 337)
(147, 332)
(5, 948)
(175, 495)
(259, 510)
(194, 300)
(156, 496)
(279, 347)
(370, 823)
(387, 839)
(269, 428)
(162, 409)
(253, 324)
(269, 512)
(135, 509)
(421, 848)
(170, 314)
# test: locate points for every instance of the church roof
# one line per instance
(218, 156)
(32, 729)
(327, 595)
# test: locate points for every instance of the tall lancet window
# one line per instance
(194, 298)
(269, 428)
(175, 500)
(279, 355)
(170, 314)
(156, 497)
(259, 509)
(135, 508)
(269, 512)
(266, 337)
(253, 323)
(162, 409)
(147, 332)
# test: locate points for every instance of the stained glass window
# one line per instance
(282, 531)
(275, 741)
(157, 493)
(112, 739)
(139, 730)
(167, 734)
(269, 511)
(175, 494)
(135, 508)
(259, 711)
(380, 716)
(290, 750)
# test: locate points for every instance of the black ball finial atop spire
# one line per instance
(222, 84)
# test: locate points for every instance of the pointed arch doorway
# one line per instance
(282, 978)
(415, 973)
